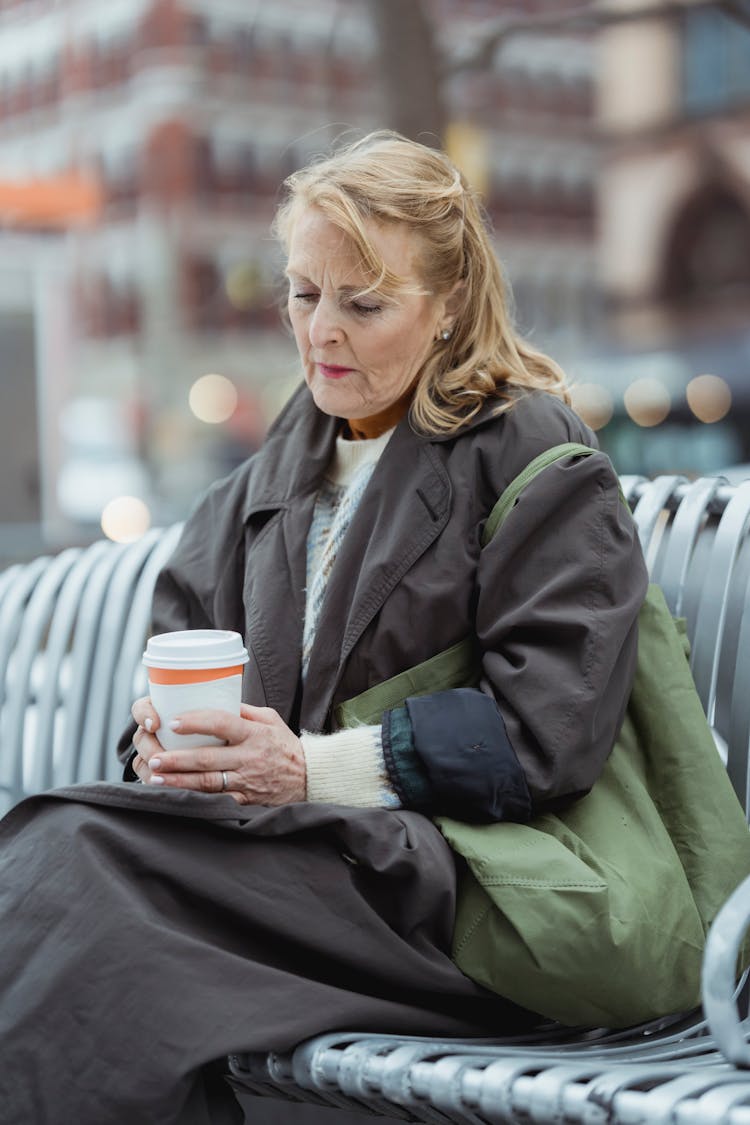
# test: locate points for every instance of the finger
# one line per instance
(146, 744)
(211, 781)
(144, 714)
(260, 714)
(218, 724)
(140, 768)
(195, 759)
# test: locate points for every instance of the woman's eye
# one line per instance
(365, 310)
(306, 298)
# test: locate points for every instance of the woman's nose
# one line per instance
(325, 324)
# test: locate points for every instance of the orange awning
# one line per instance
(55, 201)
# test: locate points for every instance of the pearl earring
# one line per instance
(446, 334)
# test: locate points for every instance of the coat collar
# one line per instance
(485, 414)
(281, 473)
(295, 455)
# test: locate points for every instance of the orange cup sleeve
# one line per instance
(191, 675)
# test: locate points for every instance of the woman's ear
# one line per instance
(453, 302)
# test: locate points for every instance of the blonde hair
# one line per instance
(388, 179)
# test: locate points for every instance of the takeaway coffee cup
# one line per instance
(190, 670)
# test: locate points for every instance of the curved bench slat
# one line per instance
(715, 595)
(128, 679)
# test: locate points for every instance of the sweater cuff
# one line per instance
(347, 768)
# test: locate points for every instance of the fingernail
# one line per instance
(175, 724)
(154, 763)
(156, 781)
(148, 724)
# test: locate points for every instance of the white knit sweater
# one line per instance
(345, 768)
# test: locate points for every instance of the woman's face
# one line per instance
(359, 354)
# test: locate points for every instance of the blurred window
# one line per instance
(552, 304)
(119, 174)
(716, 59)
(590, 304)
(201, 292)
(245, 46)
(197, 32)
(708, 252)
(108, 306)
(205, 167)
(247, 169)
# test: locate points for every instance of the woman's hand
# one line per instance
(262, 762)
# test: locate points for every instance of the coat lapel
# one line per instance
(274, 598)
(277, 516)
(404, 508)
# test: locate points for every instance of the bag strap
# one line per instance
(507, 501)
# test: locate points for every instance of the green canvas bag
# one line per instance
(597, 915)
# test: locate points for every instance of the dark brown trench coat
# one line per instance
(553, 602)
(144, 934)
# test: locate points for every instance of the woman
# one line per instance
(171, 926)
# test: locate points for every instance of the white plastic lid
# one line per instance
(195, 648)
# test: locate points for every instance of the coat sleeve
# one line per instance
(188, 590)
(200, 586)
(558, 594)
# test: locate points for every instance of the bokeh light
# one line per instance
(243, 285)
(125, 519)
(709, 398)
(593, 403)
(647, 401)
(213, 398)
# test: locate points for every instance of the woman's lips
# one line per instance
(330, 371)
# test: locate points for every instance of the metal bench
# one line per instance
(72, 629)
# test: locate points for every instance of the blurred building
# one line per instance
(521, 121)
(674, 202)
(187, 115)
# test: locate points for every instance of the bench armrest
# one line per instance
(720, 973)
